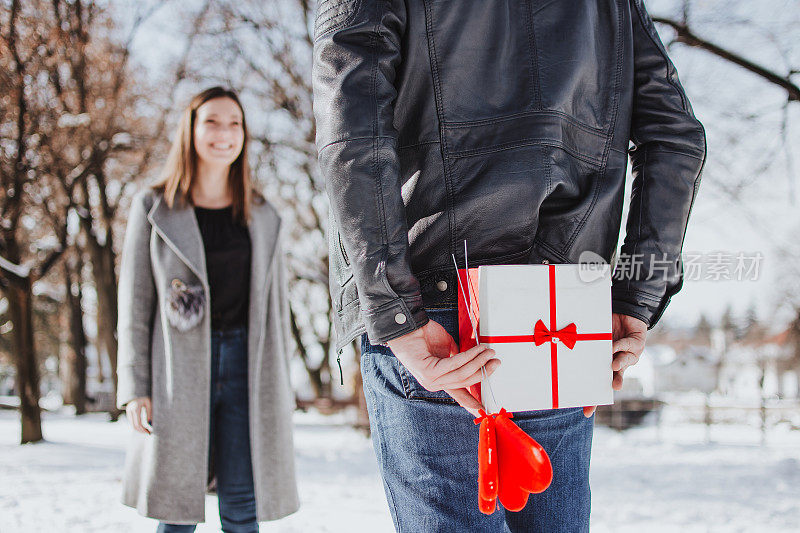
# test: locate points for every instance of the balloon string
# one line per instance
(475, 299)
(472, 320)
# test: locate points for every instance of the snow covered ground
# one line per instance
(643, 479)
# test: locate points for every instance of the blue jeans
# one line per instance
(229, 443)
(427, 450)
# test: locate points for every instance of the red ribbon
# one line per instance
(568, 335)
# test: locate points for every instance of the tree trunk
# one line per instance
(106, 286)
(20, 299)
(317, 374)
(74, 370)
(105, 281)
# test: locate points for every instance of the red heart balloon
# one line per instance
(511, 464)
(523, 461)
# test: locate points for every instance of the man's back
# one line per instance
(503, 123)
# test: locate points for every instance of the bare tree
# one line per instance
(72, 133)
(747, 82)
(116, 143)
(264, 50)
(22, 261)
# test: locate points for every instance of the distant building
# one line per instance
(747, 363)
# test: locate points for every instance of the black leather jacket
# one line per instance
(506, 123)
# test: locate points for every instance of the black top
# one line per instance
(228, 251)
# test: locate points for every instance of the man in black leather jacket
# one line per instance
(505, 123)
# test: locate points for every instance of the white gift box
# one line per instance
(550, 326)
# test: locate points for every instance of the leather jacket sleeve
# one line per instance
(669, 150)
(356, 54)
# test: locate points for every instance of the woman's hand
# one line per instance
(134, 412)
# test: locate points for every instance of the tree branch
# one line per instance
(17, 271)
(686, 36)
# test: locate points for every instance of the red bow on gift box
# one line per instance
(568, 334)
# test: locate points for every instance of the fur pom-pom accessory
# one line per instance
(185, 305)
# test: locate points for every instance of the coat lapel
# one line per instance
(178, 227)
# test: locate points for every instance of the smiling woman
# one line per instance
(207, 163)
(202, 351)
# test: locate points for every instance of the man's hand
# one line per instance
(431, 355)
(628, 334)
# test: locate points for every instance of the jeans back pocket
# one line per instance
(412, 389)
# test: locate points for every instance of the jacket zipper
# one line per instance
(339, 362)
(341, 248)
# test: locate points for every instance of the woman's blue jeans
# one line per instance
(427, 450)
(229, 443)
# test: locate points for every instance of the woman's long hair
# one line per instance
(180, 169)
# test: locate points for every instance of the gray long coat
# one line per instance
(166, 473)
